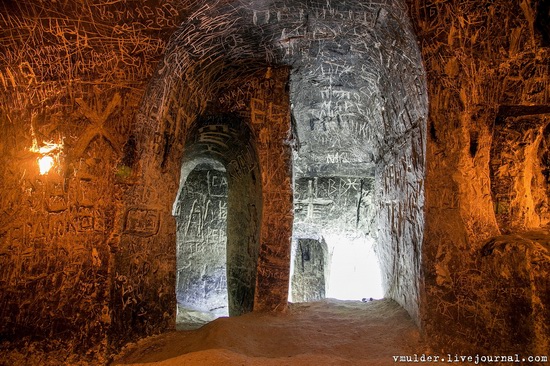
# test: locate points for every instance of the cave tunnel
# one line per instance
(334, 217)
(182, 162)
(358, 154)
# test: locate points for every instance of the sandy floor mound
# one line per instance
(330, 332)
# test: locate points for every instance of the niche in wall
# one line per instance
(310, 269)
(201, 220)
(519, 170)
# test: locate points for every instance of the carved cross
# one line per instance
(312, 200)
(97, 127)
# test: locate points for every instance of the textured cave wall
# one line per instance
(519, 172)
(513, 292)
(71, 73)
(341, 204)
(400, 162)
(488, 72)
(400, 185)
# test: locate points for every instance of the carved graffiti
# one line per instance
(141, 222)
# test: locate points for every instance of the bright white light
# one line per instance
(354, 269)
(47, 147)
(45, 163)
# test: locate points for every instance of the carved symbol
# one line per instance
(312, 200)
(142, 222)
(97, 128)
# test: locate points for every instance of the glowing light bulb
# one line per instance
(45, 163)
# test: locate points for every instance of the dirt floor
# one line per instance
(330, 332)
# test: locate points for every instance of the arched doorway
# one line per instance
(217, 211)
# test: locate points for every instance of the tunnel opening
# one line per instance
(201, 244)
(355, 270)
(333, 249)
(336, 267)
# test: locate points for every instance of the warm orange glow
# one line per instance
(45, 163)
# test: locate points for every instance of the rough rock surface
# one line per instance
(486, 174)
